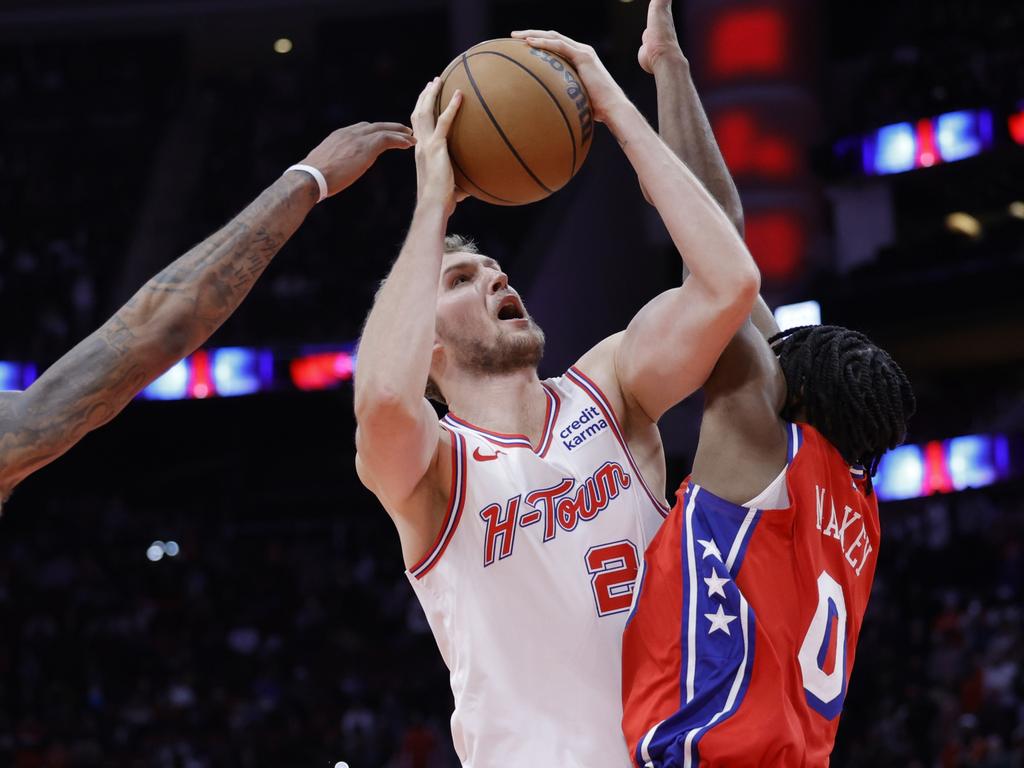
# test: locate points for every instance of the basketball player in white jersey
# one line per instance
(523, 514)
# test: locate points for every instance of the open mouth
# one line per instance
(510, 309)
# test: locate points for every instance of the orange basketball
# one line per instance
(524, 127)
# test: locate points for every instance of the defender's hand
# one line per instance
(605, 94)
(348, 152)
(434, 177)
(659, 40)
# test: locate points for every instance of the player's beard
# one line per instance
(510, 351)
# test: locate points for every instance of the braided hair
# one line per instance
(847, 388)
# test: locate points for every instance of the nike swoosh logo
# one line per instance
(483, 456)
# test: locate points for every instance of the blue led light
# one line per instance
(241, 370)
(10, 375)
(173, 385)
(963, 134)
(892, 149)
(970, 461)
(900, 474)
(16, 376)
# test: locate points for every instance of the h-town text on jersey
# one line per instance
(560, 506)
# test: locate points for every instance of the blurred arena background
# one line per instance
(205, 583)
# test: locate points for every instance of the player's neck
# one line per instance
(512, 403)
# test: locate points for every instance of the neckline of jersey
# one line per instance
(521, 441)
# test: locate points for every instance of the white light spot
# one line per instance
(155, 551)
(283, 45)
(793, 315)
(172, 549)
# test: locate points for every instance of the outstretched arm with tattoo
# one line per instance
(176, 311)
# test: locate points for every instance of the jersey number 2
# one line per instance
(613, 568)
(824, 648)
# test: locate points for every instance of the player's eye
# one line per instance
(459, 279)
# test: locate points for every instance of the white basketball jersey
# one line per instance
(529, 583)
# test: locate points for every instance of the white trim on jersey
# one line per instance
(691, 624)
(457, 495)
(738, 541)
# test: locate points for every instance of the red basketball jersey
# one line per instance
(741, 641)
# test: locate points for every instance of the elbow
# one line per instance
(742, 290)
(382, 405)
(749, 287)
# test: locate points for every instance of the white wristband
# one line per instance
(315, 173)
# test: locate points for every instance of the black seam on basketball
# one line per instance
(497, 127)
(451, 157)
(455, 165)
(568, 123)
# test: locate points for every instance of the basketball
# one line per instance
(525, 124)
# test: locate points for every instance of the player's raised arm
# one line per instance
(681, 119)
(684, 126)
(176, 311)
(672, 344)
(397, 434)
(742, 443)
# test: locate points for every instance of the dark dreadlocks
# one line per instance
(847, 388)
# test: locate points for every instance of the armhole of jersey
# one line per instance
(768, 498)
(577, 377)
(456, 499)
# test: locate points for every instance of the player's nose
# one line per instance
(499, 282)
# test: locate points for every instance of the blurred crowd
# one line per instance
(269, 643)
(281, 644)
(938, 678)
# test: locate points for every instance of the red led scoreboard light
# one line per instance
(1016, 124)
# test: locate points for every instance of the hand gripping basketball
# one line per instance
(434, 177)
(605, 94)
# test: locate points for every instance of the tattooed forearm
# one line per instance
(168, 318)
(203, 287)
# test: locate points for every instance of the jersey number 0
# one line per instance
(825, 691)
